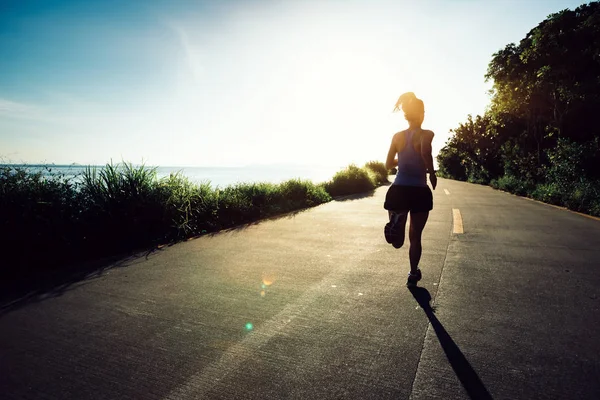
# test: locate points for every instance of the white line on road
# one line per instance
(457, 221)
(446, 191)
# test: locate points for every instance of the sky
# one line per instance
(234, 83)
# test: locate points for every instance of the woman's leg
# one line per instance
(417, 223)
(400, 225)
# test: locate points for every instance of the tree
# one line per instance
(545, 88)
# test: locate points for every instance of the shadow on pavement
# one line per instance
(243, 226)
(18, 293)
(21, 292)
(463, 370)
(352, 197)
(45, 284)
(359, 196)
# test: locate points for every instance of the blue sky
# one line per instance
(231, 83)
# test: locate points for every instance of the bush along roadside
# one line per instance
(353, 179)
(50, 220)
(568, 180)
(538, 137)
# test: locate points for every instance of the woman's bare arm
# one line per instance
(426, 151)
(391, 161)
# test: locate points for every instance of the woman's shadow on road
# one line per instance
(463, 370)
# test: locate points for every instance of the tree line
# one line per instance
(540, 134)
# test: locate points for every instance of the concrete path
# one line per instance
(314, 306)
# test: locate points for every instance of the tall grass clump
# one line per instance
(246, 202)
(297, 193)
(50, 221)
(350, 180)
(38, 216)
(378, 171)
(123, 205)
(189, 208)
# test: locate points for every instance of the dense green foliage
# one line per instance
(378, 171)
(353, 179)
(540, 134)
(50, 220)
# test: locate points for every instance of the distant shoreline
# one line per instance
(216, 176)
(275, 165)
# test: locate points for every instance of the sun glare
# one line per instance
(280, 92)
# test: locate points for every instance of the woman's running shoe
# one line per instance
(394, 232)
(413, 278)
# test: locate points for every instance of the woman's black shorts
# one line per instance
(411, 198)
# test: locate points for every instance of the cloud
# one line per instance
(192, 53)
(15, 109)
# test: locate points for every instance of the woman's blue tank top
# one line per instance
(411, 166)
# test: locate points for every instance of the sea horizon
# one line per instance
(216, 176)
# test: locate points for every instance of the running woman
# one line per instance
(410, 152)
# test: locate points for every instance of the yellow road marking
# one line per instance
(446, 191)
(457, 221)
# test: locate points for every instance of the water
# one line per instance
(218, 176)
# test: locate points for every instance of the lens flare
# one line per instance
(267, 281)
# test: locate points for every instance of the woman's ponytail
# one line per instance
(412, 106)
(405, 100)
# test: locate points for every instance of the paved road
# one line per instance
(313, 306)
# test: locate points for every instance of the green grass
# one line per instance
(512, 184)
(50, 221)
(379, 173)
(582, 195)
(351, 180)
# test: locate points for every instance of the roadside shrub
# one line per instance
(123, 205)
(350, 180)
(548, 193)
(38, 211)
(379, 171)
(246, 202)
(235, 204)
(513, 184)
(570, 178)
(189, 208)
(479, 175)
(595, 208)
(49, 221)
(584, 196)
(451, 164)
(302, 193)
